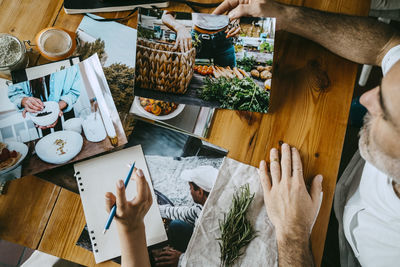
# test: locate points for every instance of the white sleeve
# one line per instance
(390, 59)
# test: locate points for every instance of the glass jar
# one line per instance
(13, 54)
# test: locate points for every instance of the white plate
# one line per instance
(19, 147)
(46, 149)
(49, 106)
(173, 114)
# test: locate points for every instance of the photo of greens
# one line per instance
(205, 60)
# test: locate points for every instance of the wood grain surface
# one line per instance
(63, 230)
(25, 210)
(311, 94)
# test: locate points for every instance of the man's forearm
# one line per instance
(359, 39)
(294, 251)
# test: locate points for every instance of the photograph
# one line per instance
(205, 60)
(57, 119)
(183, 170)
(115, 44)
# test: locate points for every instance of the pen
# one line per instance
(114, 207)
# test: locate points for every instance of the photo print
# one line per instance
(205, 60)
(59, 118)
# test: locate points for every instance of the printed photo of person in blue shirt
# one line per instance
(63, 87)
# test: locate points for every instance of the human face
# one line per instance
(380, 136)
(195, 194)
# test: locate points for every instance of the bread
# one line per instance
(255, 73)
(265, 75)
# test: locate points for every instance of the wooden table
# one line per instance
(312, 90)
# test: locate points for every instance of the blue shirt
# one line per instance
(65, 85)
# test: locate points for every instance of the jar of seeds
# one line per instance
(13, 54)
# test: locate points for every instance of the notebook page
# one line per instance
(97, 176)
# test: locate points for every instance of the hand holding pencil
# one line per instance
(129, 218)
(130, 213)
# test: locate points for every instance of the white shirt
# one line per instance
(371, 218)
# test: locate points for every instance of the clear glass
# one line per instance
(55, 43)
(20, 62)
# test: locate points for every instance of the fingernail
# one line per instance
(320, 178)
(293, 149)
(139, 173)
(262, 163)
(273, 149)
(120, 184)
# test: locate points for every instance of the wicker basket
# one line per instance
(160, 67)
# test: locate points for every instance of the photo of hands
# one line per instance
(62, 117)
(205, 60)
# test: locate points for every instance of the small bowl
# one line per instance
(49, 106)
(74, 124)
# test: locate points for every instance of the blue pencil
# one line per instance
(114, 208)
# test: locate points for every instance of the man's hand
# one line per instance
(248, 8)
(291, 209)
(31, 104)
(168, 257)
(130, 214)
(183, 39)
(234, 29)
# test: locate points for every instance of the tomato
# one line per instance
(156, 110)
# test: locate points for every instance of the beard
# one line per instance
(373, 154)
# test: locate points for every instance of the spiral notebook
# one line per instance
(99, 175)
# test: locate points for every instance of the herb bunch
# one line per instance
(236, 230)
(235, 93)
(246, 63)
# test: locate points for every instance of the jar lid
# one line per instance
(55, 43)
(11, 50)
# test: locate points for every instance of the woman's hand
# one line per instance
(130, 213)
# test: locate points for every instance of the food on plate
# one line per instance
(8, 158)
(157, 107)
(255, 73)
(265, 75)
(45, 113)
(203, 69)
(60, 146)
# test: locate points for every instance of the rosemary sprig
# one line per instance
(236, 231)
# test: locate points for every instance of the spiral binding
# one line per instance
(91, 233)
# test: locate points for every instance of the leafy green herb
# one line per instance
(266, 48)
(236, 94)
(236, 231)
(246, 63)
(145, 33)
(269, 62)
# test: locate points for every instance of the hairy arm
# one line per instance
(294, 251)
(359, 39)
(290, 207)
